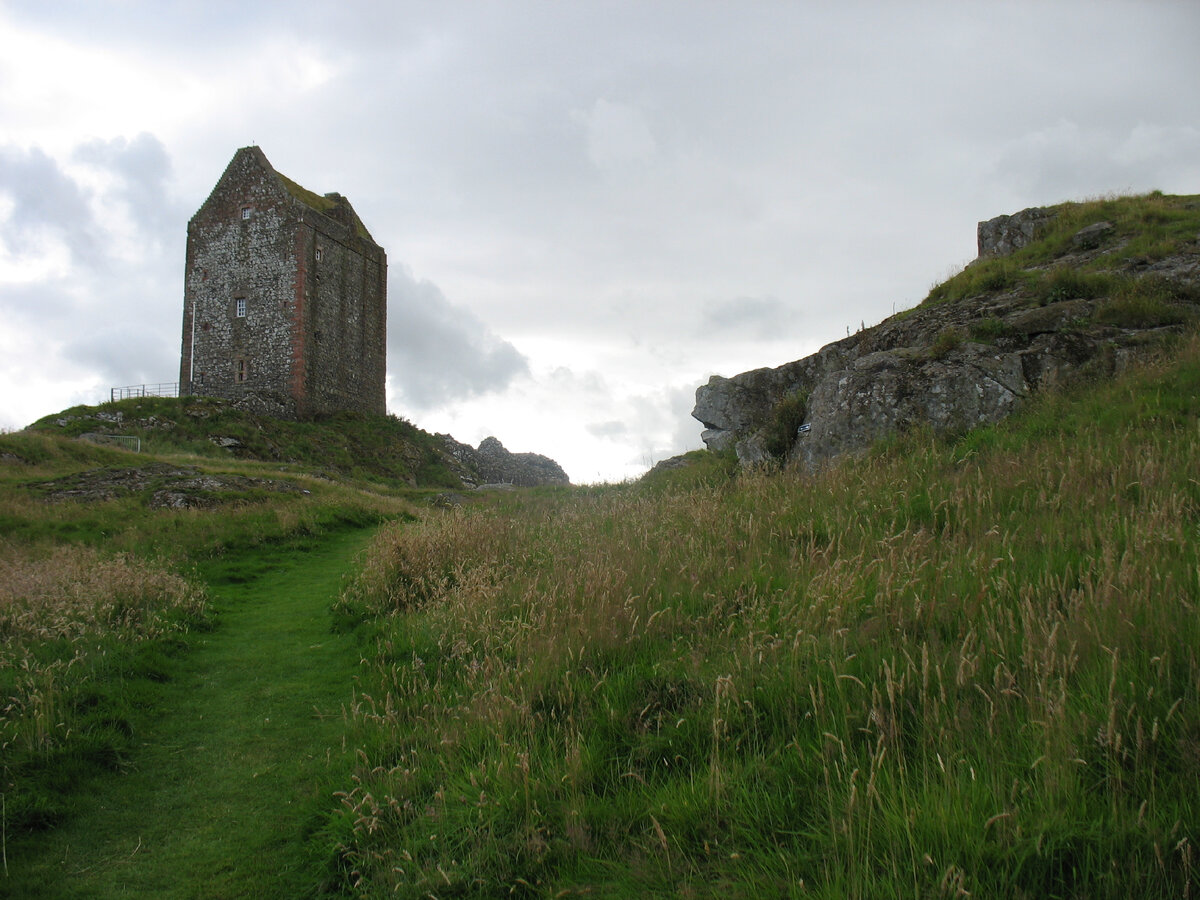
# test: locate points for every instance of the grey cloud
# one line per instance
(141, 168)
(92, 325)
(662, 422)
(104, 311)
(47, 199)
(439, 352)
(1070, 161)
(125, 353)
(44, 198)
(755, 318)
(101, 344)
(613, 429)
(617, 134)
(48, 305)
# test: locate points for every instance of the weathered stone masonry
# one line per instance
(285, 298)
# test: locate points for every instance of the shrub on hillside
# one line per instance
(789, 414)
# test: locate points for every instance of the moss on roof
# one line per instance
(323, 205)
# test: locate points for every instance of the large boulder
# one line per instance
(1005, 234)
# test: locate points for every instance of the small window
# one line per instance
(241, 370)
(246, 211)
(240, 307)
(318, 254)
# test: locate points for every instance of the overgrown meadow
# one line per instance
(952, 668)
(73, 621)
(97, 601)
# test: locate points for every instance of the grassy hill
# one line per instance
(381, 450)
(1128, 259)
(100, 590)
(964, 667)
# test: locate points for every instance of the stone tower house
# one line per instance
(285, 298)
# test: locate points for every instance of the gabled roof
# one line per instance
(335, 206)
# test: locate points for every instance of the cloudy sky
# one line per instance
(588, 207)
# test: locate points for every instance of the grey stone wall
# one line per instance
(345, 330)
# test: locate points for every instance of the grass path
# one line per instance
(240, 753)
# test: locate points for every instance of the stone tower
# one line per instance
(285, 298)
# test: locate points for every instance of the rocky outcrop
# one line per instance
(162, 486)
(956, 364)
(1004, 234)
(491, 464)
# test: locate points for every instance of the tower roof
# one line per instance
(333, 205)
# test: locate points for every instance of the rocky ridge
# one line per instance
(1051, 297)
(491, 464)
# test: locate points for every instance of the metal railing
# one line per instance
(165, 389)
(128, 441)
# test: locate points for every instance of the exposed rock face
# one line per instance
(950, 366)
(163, 486)
(492, 464)
(1004, 234)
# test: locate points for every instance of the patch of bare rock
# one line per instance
(164, 486)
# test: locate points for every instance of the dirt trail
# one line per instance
(239, 757)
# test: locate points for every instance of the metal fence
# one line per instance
(166, 389)
(129, 442)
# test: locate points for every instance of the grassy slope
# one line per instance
(237, 755)
(949, 668)
(99, 602)
(380, 450)
(30, 459)
(1146, 229)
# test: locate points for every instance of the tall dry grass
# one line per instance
(946, 670)
(72, 619)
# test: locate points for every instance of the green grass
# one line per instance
(701, 467)
(1147, 228)
(31, 460)
(989, 330)
(379, 451)
(946, 342)
(99, 602)
(952, 667)
(789, 414)
(1149, 303)
(235, 756)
